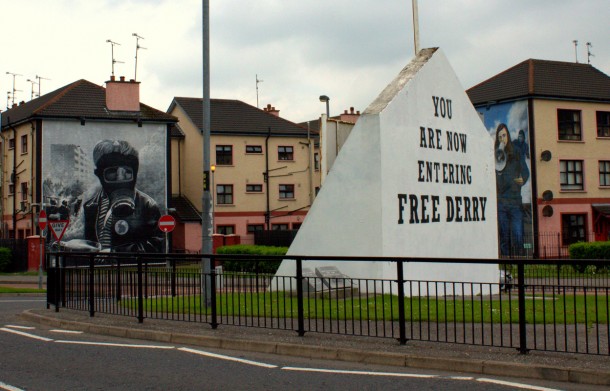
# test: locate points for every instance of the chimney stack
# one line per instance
(122, 95)
(350, 116)
(271, 110)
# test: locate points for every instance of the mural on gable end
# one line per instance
(109, 182)
(508, 125)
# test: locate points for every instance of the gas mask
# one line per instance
(119, 184)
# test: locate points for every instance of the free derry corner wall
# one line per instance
(416, 178)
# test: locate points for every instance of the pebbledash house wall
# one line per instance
(591, 149)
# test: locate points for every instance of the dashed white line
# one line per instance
(8, 387)
(227, 358)
(26, 334)
(12, 326)
(515, 385)
(65, 331)
(121, 345)
(367, 373)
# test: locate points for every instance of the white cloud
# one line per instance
(348, 50)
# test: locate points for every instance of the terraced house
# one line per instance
(264, 176)
(558, 118)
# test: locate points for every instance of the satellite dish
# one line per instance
(547, 211)
(546, 155)
(547, 195)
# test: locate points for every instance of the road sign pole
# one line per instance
(42, 224)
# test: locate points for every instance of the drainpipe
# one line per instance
(266, 178)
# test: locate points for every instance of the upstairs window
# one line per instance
(224, 155)
(569, 125)
(285, 153)
(604, 173)
(603, 123)
(257, 149)
(24, 144)
(224, 194)
(571, 174)
(24, 191)
(286, 192)
(254, 188)
(11, 143)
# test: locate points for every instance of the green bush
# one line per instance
(5, 258)
(260, 265)
(589, 250)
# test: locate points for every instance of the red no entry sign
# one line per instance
(167, 223)
(42, 220)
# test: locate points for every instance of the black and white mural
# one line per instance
(109, 181)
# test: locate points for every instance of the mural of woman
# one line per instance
(511, 174)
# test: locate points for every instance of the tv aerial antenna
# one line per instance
(138, 47)
(576, 49)
(32, 82)
(40, 78)
(14, 90)
(113, 44)
(589, 54)
(257, 81)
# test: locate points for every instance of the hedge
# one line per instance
(260, 265)
(589, 250)
(5, 258)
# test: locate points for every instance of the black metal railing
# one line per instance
(550, 305)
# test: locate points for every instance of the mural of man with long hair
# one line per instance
(511, 174)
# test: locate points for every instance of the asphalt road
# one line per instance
(34, 357)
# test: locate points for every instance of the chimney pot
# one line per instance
(122, 78)
(351, 110)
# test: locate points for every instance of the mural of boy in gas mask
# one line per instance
(118, 216)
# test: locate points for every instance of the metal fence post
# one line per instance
(521, 292)
(402, 327)
(91, 286)
(140, 291)
(214, 323)
(173, 276)
(300, 305)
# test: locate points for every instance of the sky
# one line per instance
(348, 50)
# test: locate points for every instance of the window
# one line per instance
(224, 194)
(279, 227)
(11, 143)
(603, 124)
(573, 228)
(604, 173)
(11, 188)
(252, 228)
(224, 155)
(571, 175)
(569, 125)
(254, 149)
(254, 188)
(296, 226)
(24, 144)
(285, 153)
(286, 191)
(225, 229)
(24, 191)
(316, 161)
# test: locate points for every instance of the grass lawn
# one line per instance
(5, 289)
(567, 309)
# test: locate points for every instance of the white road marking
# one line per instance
(515, 385)
(121, 345)
(66, 331)
(460, 378)
(12, 326)
(7, 387)
(367, 373)
(227, 358)
(26, 334)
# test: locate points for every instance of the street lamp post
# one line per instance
(324, 98)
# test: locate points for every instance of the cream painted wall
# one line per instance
(591, 149)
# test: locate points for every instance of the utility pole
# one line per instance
(206, 214)
(415, 26)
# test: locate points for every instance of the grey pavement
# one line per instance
(576, 368)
